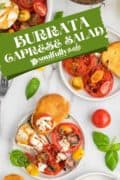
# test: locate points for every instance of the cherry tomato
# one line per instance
(101, 118)
(56, 136)
(40, 8)
(80, 66)
(102, 86)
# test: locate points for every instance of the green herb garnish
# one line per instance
(18, 158)
(32, 87)
(110, 148)
(2, 5)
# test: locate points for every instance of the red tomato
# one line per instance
(35, 19)
(40, 8)
(53, 168)
(26, 4)
(101, 118)
(101, 88)
(56, 136)
(80, 66)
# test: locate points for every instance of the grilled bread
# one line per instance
(54, 105)
(13, 177)
(111, 58)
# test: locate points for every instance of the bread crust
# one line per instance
(54, 105)
(111, 58)
(13, 177)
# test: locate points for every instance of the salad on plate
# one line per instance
(49, 142)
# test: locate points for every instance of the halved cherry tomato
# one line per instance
(40, 8)
(99, 88)
(101, 118)
(80, 66)
(56, 136)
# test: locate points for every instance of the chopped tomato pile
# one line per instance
(27, 13)
(90, 74)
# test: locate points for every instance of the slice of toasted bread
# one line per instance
(111, 58)
(23, 133)
(13, 177)
(54, 105)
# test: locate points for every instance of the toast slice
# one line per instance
(13, 177)
(111, 58)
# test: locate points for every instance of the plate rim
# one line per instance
(95, 173)
(92, 99)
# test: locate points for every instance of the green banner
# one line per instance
(51, 42)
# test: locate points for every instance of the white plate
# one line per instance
(96, 176)
(49, 13)
(63, 174)
(113, 36)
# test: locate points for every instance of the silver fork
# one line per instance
(3, 90)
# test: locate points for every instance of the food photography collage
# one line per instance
(60, 89)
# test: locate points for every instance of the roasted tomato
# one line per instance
(26, 4)
(80, 66)
(40, 8)
(67, 137)
(35, 19)
(99, 81)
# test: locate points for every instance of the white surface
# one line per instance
(15, 106)
(95, 176)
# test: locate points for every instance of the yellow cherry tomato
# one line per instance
(41, 68)
(97, 76)
(65, 128)
(32, 170)
(78, 154)
(11, 30)
(24, 15)
(77, 83)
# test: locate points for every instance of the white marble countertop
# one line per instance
(14, 106)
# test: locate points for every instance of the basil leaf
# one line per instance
(115, 147)
(2, 5)
(19, 159)
(58, 15)
(103, 148)
(32, 87)
(111, 159)
(100, 139)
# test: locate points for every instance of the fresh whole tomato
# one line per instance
(101, 118)
(80, 66)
